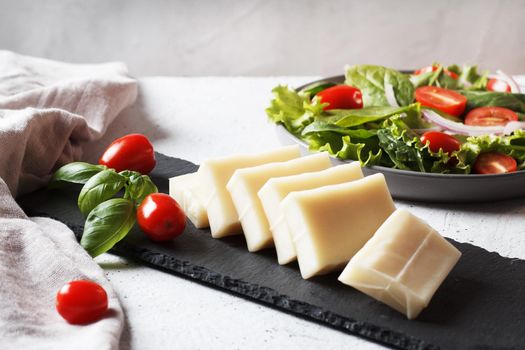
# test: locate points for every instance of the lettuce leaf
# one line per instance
(292, 109)
(512, 145)
(371, 81)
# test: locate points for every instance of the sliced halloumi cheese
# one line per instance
(330, 224)
(276, 189)
(214, 174)
(245, 183)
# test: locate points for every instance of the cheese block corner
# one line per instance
(190, 194)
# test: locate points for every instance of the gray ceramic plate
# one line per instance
(427, 187)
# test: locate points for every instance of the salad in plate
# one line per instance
(450, 120)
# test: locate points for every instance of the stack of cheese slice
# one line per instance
(322, 216)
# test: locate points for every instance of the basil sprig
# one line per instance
(109, 219)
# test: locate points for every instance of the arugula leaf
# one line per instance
(371, 81)
(515, 102)
(108, 223)
(99, 188)
(76, 172)
(472, 80)
(468, 78)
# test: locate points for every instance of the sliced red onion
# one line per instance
(514, 87)
(389, 94)
(470, 130)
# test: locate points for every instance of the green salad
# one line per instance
(450, 120)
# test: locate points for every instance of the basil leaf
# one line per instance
(99, 188)
(108, 223)
(139, 188)
(371, 81)
(76, 172)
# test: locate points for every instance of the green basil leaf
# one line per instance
(76, 172)
(107, 224)
(140, 187)
(99, 188)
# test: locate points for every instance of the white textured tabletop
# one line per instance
(200, 118)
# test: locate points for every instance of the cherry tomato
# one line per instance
(435, 68)
(494, 163)
(488, 116)
(341, 97)
(161, 217)
(438, 140)
(81, 302)
(498, 85)
(130, 152)
(445, 100)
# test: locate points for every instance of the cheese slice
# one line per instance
(245, 183)
(276, 189)
(403, 264)
(331, 223)
(215, 173)
(191, 195)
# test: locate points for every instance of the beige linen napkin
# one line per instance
(47, 111)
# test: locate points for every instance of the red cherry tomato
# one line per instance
(341, 97)
(160, 217)
(494, 163)
(488, 116)
(438, 140)
(498, 85)
(445, 100)
(81, 302)
(130, 152)
(435, 68)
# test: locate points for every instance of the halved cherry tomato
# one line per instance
(438, 140)
(445, 100)
(131, 152)
(498, 85)
(494, 163)
(341, 97)
(81, 302)
(435, 68)
(489, 116)
(161, 217)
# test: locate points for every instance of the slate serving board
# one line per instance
(481, 305)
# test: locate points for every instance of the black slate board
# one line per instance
(481, 305)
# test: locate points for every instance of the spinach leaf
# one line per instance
(354, 117)
(76, 172)
(314, 89)
(515, 102)
(100, 187)
(371, 81)
(108, 223)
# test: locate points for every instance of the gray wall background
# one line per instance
(270, 37)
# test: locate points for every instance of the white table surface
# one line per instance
(200, 118)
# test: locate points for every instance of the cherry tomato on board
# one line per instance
(161, 217)
(82, 302)
(445, 100)
(435, 68)
(489, 116)
(494, 163)
(498, 85)
(341, 97)
(439, 140)
(130, 152)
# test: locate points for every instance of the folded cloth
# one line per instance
(47, 110)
